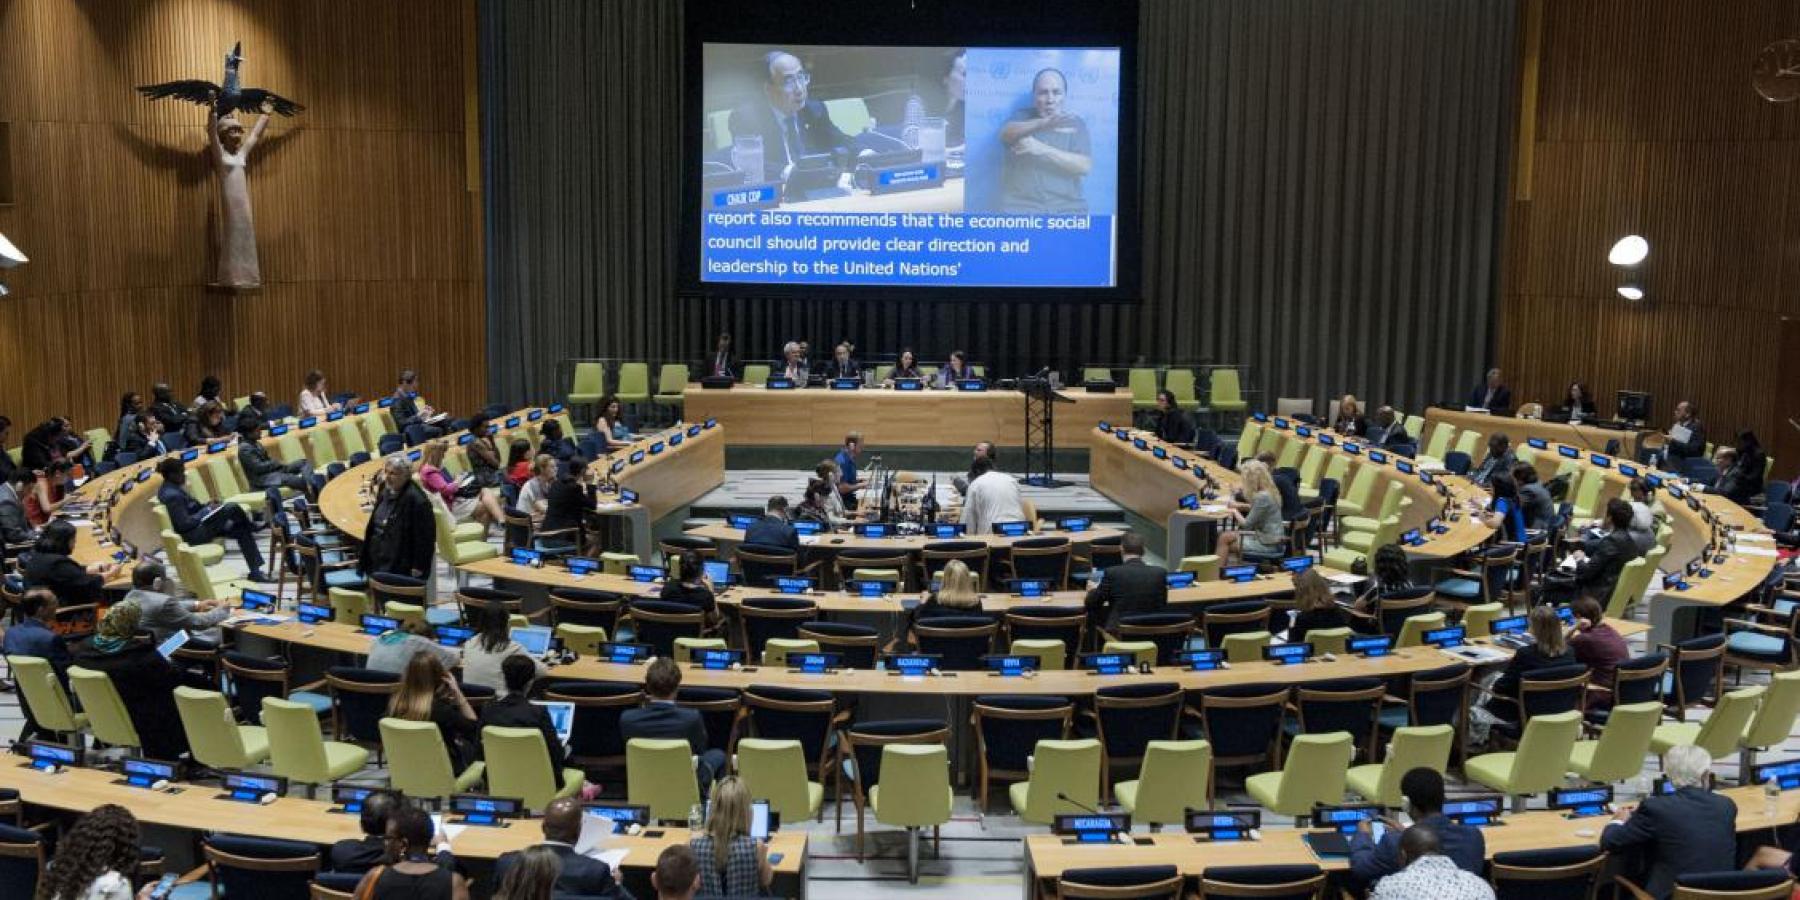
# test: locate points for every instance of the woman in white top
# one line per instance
(491, 645)
(314, 399)
(96, 858)
(534, 496)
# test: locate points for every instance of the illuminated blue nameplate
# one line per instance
(1226, 825)
(1239, 574)
(1091, 828)
(1371, 646)
(1140, 443)
(534, 415)
(127, 486)
(1104, 426)
(1123, 434)
(453, 635)
(1677, 491)
(278, 430)
(656, 448)
(257, 601)
(1030, 587)
(1200, 660)
(846, 384)
(1008, 664)
(218, 447)
(1601, 460)
(914, 664)
(1178, 463)
(711, 423)
(1405, 467)
(581, 565)
(1297, 564)
(1653, 479)
(46, 757)
(1352, 449)
(1075, 523)
(716, 659)
(870, 589)
(245, 788)
(1508, 625)
(908, 384)
(1159, 452)
(1288, 654)
(525, 556)
(1281, 424)
(378, 625)
(646, 573)
(779, 383)
(906, 178)
(676, 438)
(1189, 502)
(624, 654)
(143, 773)
(1568, 452)
(145, 473)
(741, 521)
(478, 809)
(350, 798)
(464, 439)
(1427, 478)
(1376, 456)
(385, 402)
(512, 422)
(622, 816)
(637, 456)
(1260, 417)
(1413, 538)
(627, 495)
(1445, 638)
(1108, 663)
(1566, 615)
(946, 530)
(757, 196)
(415, 455)
(1327, 439)
(873, 529)
(807, 527)
(1583, 802)
(814, 663)
(1344, 818)
(1628, 470)
(1537, 443)
(617, 467)
(694, 430)
(1303, 431)
(334, 416)
(1179, 579)
(309, 422)
(1012, 529)
(190, 454)
(360, 408)
(792, 585)
(1483, 810)
(313, 614)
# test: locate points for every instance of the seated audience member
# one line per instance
(1348, 418)
(1130, 587)
(842, 365)
(211, 390)
(1741, 469)
(49, 565)
(1499, 460)
(1576, 406)
(1686, 437)
(1287, 484)
(256, 408)
(207, 425)
(131, 406)
(691, 586)
(773, 529)
(957, 369)
(145, 438)
(1492, 394)
(428, 693)
(1505, 513)
(418, 866)
(958, 593)
(315, 399)
(555, 445)
(514, 709)
(412, 415)
(816, 507)
(393, 651)
(1315, 609)
(732, 863)
(518, 462)
(96, 859)
(162, 614)
(360, 854)
(828, 472)
(611, 427)
(722, 364)
(263, 470)
(145, 681)
(466, 501)
(492, 645)
(1643, 516)
(172, 415)
(402, 535)
(1423, 789)
(581, 876)
(49, 490)
(199, 523)
(1173, 425)
(1262, 530)
(15, 525)
(793, 362)
(1540, 510)
(566, 502)
(35, 635)
(906, 367)
(992, 497)
(483, 454)
(983, 450)
(43, 445)
(660, 717)
(1599, 647)
(1428, 874)
(1549, 647)
(1692, 830)
(1599, 571)
(534, 494)
(677, 873)
(1386, 430)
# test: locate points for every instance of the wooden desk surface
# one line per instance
(889, 418)
(1518, 430)
(196, 808)
(1048, 857)
(829, 543)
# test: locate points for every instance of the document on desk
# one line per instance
(1756, 551)
(1345, 578)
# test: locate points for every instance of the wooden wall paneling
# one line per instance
(366, 213)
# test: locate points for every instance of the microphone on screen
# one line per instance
(1074, 802)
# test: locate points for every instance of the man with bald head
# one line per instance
(791, 123)
(581, 875)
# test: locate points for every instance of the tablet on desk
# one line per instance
(173, 643)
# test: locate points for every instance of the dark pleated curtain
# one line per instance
(1323, 184)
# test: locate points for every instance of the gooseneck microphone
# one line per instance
(1074, 802)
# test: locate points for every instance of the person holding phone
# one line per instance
(732, 863)
(1373, 857)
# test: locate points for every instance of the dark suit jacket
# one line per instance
(356, 854)
(817, 131)
(146, 683)
(1492, 465)
(581, 875)
(404, 542)
(713, 362)
(1175, 427)
(65, 577)
(1393, 436)
(1129, 588)
(1600, 571)
(657, 719)
(1502, 398)
(774, 531)
(1691, 830)
(405, 409)
(517, 711)
(1357, 425)
(185, 513)
(1694, 447)
(847, 369)
(15, 528)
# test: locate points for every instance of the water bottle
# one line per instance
(696, 818)
(1771, 797)
(915, 113)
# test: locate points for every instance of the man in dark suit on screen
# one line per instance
(1129, 588)
(791, 123)
(660, 717)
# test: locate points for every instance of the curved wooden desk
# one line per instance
(1519, 430)
(888, 418)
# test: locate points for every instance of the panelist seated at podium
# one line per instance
(1492, 394)
(793, 362)
(906, 367)
(842, 365)
(957, 369)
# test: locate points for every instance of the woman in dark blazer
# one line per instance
(145, 681)
(402, 535)
(48, 565)
(1549, 648)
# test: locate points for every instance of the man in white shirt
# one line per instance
(993, 497)
(1429, 874)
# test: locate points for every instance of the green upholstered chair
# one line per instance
(775, 770)
(1619, 752)
(589, 384)
(1412, 631)
(1175, 776)
(1478, 620)
(1205, 567)
(1225, 393)
(1413, 747)
(1058, 767)
(300, 753)
(1719, 734)
(1537, 765)
(419, 763)
(1773, 722)
(1180, 382)
(1143, 388)
(915, 784)
(1313, 773)
(659, 773)
(518, 765)
(756, 373)
(49, 703)
(105, 709)
(671, 384)
(634, 383)
(216, 739)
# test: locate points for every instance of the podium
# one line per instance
(1040, 432)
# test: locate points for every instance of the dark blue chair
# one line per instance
(1169, 631)
(1779, 514)
(1752, 885)
(594, 737)
(1773, 491)
(857, 644)
(264, 868)
(1458, 462)
(339, 882)
(1132, 882)
(252, 678)
(1048, 623)
(760, 564)
(763, 618)
(795, 714)
(1127, 717)
(1243, 723)
(1007, 729)
(1298, 882)
(1566, 873)
(659, 622)
(1042, 559)
(961, 641)
(1224, 619)
(359, 699)
(22, 855)
(1696, 673)
(391, 444)
(718, 708)
(578, 606)
(1344, 704)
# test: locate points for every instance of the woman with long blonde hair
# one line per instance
(958, 594)
(732, 864)
(428, 693)
(1261, 530)
(1348, 418)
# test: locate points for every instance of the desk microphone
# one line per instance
(1074, 802)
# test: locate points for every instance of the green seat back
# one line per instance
(659, 773)
(1723, 729)
(590, 383)
(104, 707)
(212, 731)
(1478, 619)
(1176, 776)
(296, 746)
(1439, 444)
(1774, 719)
(350, 439)
(43, 693)
(418, 762)
(1312, 467)
(1412, 631)
(634, 382)
(1543, 754)
(756, 373)
(1248, 439)
(1328, 640)
(1413, 747)
(1469, 441)
(1314, 772)
(1066, 767)
(1095, 373)
(1052, 653)
(915, 786)
(1204, 567)
(672, 381)
(1224, 390)
(1143, 387)
(1619, 753)
(1180, 382)
(776, 771)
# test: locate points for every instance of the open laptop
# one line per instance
(562, 717)
(535, 639)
